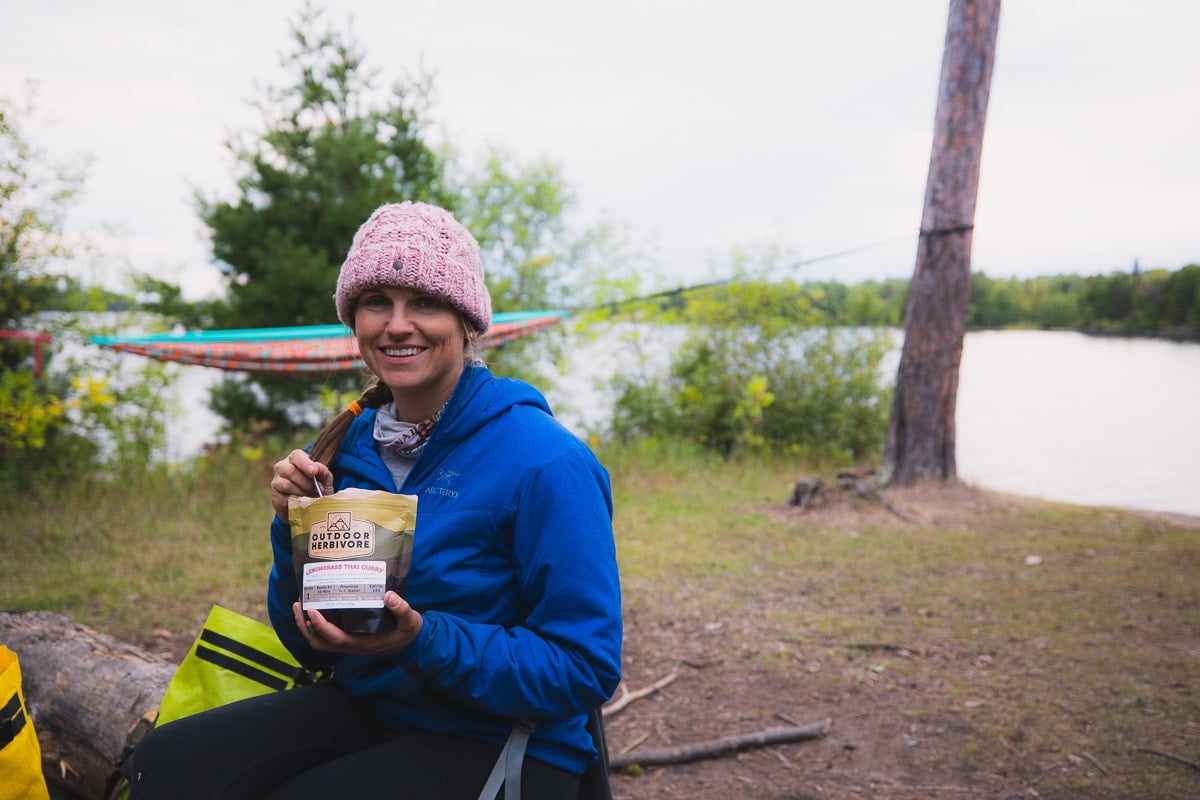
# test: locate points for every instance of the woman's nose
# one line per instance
(399, 321)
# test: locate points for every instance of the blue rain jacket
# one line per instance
(514, 572)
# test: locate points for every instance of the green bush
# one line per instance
(832, 402)
(735, 391)
(82, 416)
(29, 415)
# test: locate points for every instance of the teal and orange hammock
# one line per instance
(303, 349)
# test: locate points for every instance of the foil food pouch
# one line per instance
(349, 548)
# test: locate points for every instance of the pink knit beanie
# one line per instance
(416, 246)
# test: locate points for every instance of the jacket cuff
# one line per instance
(415, 659)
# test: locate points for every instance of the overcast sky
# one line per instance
(704, 127)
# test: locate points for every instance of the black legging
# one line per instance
(316, 742)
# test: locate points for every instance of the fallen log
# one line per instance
(719, 747)
(89, 695)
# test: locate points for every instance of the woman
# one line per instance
(511, 611)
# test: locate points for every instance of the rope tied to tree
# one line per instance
(929, 234)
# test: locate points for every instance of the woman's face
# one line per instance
(415, 343)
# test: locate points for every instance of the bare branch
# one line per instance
(718, 747)
(628, 697)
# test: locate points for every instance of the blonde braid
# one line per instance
(330, 438)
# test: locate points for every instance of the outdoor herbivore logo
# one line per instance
(341, 536)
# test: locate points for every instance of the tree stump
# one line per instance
(806, 492)
(89, 695)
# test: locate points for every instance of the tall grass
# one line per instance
(131, 554)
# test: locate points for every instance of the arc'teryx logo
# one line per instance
(445, 476)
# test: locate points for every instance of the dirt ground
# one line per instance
(902, 743)
(870, 748)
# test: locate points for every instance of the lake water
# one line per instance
(1090, 420)
(1055, 415)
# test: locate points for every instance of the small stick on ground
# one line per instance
(886, 647)
(628, 697)
(719, 747)
(782, 758)
(962, 789)
(1171, 756)
(1096, 763)
(636, 742)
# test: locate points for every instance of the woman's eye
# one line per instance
(374, 301)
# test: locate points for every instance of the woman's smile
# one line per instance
(415, 343)
(401, 352)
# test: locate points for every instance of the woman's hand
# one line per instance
(294, 477)
(323, 635)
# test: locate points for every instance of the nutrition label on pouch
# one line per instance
(344, 584)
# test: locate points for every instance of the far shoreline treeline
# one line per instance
(1157, 303)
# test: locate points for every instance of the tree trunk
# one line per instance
(920, 441)
(89, 695)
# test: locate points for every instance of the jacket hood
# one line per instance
(487, 397)
(478, 399)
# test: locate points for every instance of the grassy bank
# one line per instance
(1026, 645)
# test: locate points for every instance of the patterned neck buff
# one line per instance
(405, 438)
